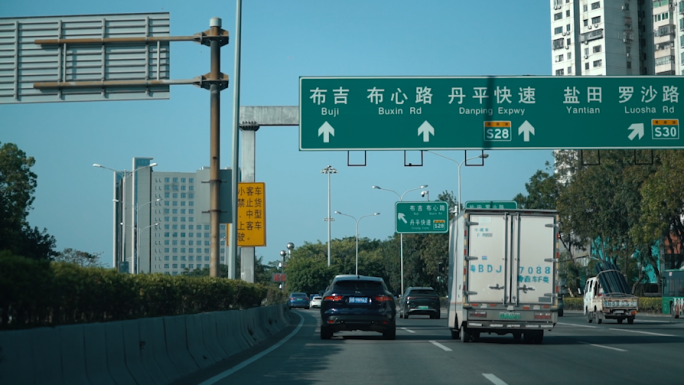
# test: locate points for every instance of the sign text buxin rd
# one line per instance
(524, 112)
(422, 217)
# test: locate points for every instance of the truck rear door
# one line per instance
(533, 248)
(488, 239)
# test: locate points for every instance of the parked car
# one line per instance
(316, 301)
(420, 300)
(354, 302)
(298, 300)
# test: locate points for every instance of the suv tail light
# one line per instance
(334, 298)
(382, 298)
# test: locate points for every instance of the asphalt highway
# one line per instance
(651, 351)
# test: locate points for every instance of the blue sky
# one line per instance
(281, 41)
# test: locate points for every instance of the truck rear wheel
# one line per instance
(465, 335)
(619, 320)
(630, 320)
(673, 312)
(589, 316)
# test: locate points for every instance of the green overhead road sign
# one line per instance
(422, 217)
(491, 205)
(524, 112)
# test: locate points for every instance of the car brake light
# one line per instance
(334, 298)
(292, 298)
(382, 298)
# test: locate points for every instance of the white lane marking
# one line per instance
(234, 369)
(643, 320)
(437, 344)
(494, 379)
(579, 326)
(649, 333)
(603, 346)
(410, 331)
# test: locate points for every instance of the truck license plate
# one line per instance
(506, 315)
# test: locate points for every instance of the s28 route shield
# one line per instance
(475, 113)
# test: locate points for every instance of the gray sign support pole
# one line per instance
(232, 236)
(248, 145)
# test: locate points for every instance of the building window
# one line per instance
(559, 72)
(191, 258)
(175, 257)
(191, 266)
(596, 5)
(166, 227)
(586, 22)
(175, 211)
(175, 203)
(182, 188)
(166, 257)
(175, 219)
(206, 227)
(174, 188)
(183, 258)
(206, 257)
(191, 203)
(199, 251)
(558, 16)
(597, 49)
(175, 266)
(586, 65)
(206, 265)
(568, 41)
(183, 195)
(166, 249)
(191, 188)
(191, 196)
(166, 235)
(569, 70)
(167, 187)
(596, 20)
(191, 219)
(567, 13)
(175, 195)
(629, 64)
(166, 211)
(598, 63)
(191, 211)
(569, 55)
(174, 243)
(166, 265)
(182, 180)
(166, 180)
(585, 8)
(182, 235)
(166, 195)
(191, 180)
(175, 180)
(182, 203)
(559, 58)
(567, 27)
(175, 227)
(182, 219)
(166, 203)
(557, 30)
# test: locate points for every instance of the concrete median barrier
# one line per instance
(132, 347)
(199, 352)
(153, 352)
(116, 355)
(16, 357)
(211, 335)
(72, 344)
(176, 345)
(226, 334)
(95, 343)
(47, 356)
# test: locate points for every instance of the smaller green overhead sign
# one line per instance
(422, 217)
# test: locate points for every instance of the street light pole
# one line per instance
(401, 236)
(137, 247)
(329, 170)
(357, 234)
(483, 156)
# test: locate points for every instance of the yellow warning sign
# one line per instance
(251, 214)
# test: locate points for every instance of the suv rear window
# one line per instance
(298, 295)
(423, 292)
(358, 285)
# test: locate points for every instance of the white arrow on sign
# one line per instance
(402, 217)
(326, 130)
(526, 129)
(426, 129)
(637, 129)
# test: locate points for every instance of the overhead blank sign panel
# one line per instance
(24, 63)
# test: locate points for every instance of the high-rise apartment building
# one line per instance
(161, 220)
(617, 37)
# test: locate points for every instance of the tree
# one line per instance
(78, 257)
(17, 186)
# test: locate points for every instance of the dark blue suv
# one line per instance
(354, 302)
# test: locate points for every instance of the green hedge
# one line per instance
(39, 293)
(646, 304)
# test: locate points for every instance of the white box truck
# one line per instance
(503, 273)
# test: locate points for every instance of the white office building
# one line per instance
(161, 220)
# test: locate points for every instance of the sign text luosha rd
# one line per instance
(525, 112)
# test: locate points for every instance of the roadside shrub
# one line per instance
(40, 293)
